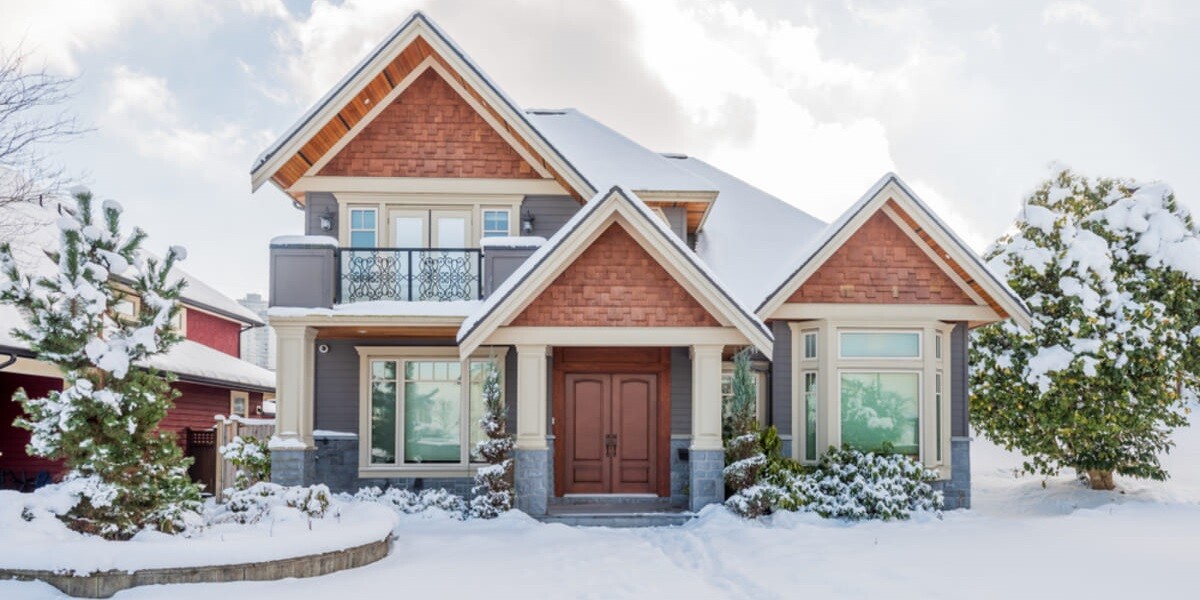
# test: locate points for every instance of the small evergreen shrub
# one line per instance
(258, 501)
(846, 484)
(409, 502)
(493, 483)
(252, 459)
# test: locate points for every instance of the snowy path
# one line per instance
(1021, 541)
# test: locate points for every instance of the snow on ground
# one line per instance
(1020, 541)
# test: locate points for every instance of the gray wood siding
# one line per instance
(550, 213)
(316, 205)
(781, 378)
(681, 392)
(336, 390)
(959, 394)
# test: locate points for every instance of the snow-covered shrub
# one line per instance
(846, 484)
(493, 485)
(743, 457)
(409, 502)
(260, 500)
(104, 424)
(1110, 270)
(252, 459)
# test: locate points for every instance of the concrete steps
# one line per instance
(615, 511)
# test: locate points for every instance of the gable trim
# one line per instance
(561, 251)
(890, 187)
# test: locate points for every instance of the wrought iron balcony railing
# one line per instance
(409, 274)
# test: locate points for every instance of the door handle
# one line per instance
(610, 445)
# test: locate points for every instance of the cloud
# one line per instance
(1075, 12)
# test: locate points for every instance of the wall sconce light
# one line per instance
(327, 221)
(527, 223)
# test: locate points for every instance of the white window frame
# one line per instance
(386, 203)
(483, 215)
(350, 229)
(920, 345)
(234, 396)
(402, 354)
(921, 417)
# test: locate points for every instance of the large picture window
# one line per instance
(881, 407)
(423, 411)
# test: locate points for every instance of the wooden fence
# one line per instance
(228, 428)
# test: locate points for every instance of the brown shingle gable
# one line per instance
(615, 283)
(880, 264)
(429, 130)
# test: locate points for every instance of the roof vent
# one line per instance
(546, 111)
(674, 155)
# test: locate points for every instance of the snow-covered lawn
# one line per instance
(1020, 541)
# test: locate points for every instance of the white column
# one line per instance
(293, 387)
(706, 397)
(531, 397)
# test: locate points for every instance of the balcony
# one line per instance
(409, 274)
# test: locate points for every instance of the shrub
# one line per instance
(846, 484)
(254, 503)
(410, 502)
(251, 458)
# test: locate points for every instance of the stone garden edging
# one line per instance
(106, 583)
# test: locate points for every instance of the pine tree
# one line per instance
(1110, 270)
(126, 474)
(493, 487)
(744, 458)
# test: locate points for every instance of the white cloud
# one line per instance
(1075, 12)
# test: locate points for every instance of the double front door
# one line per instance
(610, 431)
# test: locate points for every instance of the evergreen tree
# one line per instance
(1109, 269)
(493, 487)
(125, 474)
(744, 458)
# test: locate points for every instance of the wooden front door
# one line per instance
(611, 433)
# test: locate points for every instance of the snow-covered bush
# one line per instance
(252, 459)
(1110, 270)
(846, 484)
(493, 483)
(743, 458)
(104, 424)
(263, 499)
(408, 502)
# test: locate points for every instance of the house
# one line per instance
(446, 227)
(211, 378)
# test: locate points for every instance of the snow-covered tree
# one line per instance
(103, 425)
(493, 487)
(744, 458)
(1111, 271)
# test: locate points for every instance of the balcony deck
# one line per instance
(409, 274)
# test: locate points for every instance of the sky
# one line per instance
(972, 102)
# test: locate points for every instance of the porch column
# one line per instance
(532, 470)
(292, 450)
(707, 453)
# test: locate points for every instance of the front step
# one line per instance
(579, 512)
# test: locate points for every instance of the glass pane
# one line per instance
(477, 406)
(881, 344)
(810, 416)
(408, 232)
(356, 219)
(726, 385)
(878, 408)
(383, 369)
(362, 239)
(937, 347)
(368, 219)
(495, 223)
(383, 422)
(451, 232)
(937, 411)
(432, 414)
(810, 345)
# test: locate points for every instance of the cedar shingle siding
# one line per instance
(429, 131)
(879, 264)
(615, 283)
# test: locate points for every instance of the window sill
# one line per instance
(409, 471)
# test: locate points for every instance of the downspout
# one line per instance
(12, 358)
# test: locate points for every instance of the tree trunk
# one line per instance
(1100, 479)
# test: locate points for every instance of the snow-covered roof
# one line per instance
(506, 289)
(191, 361)
(30, 228)
(607, 158)
(747, 232)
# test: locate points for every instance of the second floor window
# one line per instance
(362, 227)
(495, 223)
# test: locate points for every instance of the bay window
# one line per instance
(421, 408)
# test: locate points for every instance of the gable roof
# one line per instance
(506, 301)
(341, 109)
(935, 232)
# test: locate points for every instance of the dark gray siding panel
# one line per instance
(550, 213)
(336, 388)
(677, 219)
(781, 378)
(317, 205)
(959, 394)
(510, 390)
(681, 392)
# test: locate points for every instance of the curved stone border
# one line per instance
(107, 583)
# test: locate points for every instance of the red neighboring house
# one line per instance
(212, 378)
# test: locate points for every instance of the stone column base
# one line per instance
(957, 489)
(707, 484)
(531, 476)
(293, 467)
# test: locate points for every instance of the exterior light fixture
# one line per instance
(327, 221)
(527, 223)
